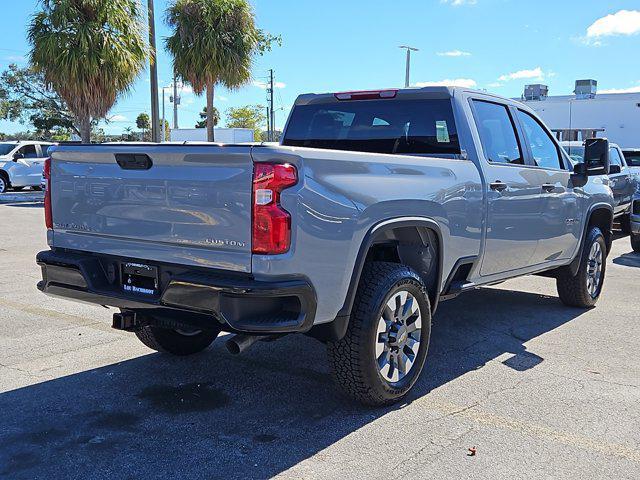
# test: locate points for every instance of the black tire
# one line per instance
(635, 242)
(172, 341)
(353, 361)
(625, 224)
(574, 290)
(4, 183)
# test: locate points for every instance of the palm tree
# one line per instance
(213, 42)
(90, 52)
(202, 123)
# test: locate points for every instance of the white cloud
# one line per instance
(536, 73)
(635, 89)
(495, 85)
(624, 22)
(118, 118)
(454, 53)
(456, 82)
(265, 85)
(457, 3)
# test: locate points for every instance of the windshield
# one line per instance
(378, 126)
(575, 153)
(5, 148)
(632, 158)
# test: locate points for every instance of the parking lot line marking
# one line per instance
(65, 317)
(537, 430)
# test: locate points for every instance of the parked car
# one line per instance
(21, 164)
(635, 222)
(632, 157)
(623, 180)
(376, 206)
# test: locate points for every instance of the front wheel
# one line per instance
(385, 346)
(4, 183)
(635, 242)
(176, 342)
(625, 224)
(583, 289)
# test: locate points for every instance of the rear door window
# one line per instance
(394, 126)
(497, 133)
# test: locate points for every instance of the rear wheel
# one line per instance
(635, 242)
(584, 288)
(384, 350)
(176, 342)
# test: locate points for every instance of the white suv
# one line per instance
(21, 164)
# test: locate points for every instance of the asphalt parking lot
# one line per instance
(541, 390)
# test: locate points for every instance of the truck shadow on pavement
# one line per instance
(628, 260)
(252, 416)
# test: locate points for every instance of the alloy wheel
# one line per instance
(594, 269)
(398, 336)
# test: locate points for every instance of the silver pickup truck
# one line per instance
(376, 206)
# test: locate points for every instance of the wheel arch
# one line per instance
(388, 238)
(600, 215)
(412, 241)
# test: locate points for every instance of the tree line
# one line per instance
(86, 54)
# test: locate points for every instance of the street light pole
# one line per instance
(408, 70)
(155, 121)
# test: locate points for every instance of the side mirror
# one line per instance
(613, 169)
(596, 156)
(18, 156)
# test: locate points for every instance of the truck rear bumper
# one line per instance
(238, 301)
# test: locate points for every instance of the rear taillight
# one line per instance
(271, 224)
(48, 216)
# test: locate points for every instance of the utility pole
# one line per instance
(408, 70)
(273, 116)
(268, 126)
(176, 101)
(155, 121)
(164, 130)
(164, 118)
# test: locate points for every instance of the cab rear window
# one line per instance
(393, 126)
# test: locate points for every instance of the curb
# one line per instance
(35, 197)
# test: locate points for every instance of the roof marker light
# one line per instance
(366, 95)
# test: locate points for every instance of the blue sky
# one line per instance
(335, 45)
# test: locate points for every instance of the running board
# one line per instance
(456, 288)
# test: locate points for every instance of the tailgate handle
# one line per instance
(134, 161)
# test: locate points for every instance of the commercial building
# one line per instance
(588, 113)
(222, 135)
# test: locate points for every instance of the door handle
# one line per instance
(498, 186)
(548, 187)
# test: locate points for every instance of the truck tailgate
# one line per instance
(187, 204)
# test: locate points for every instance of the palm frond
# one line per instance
(90, 51)
(213, 42)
